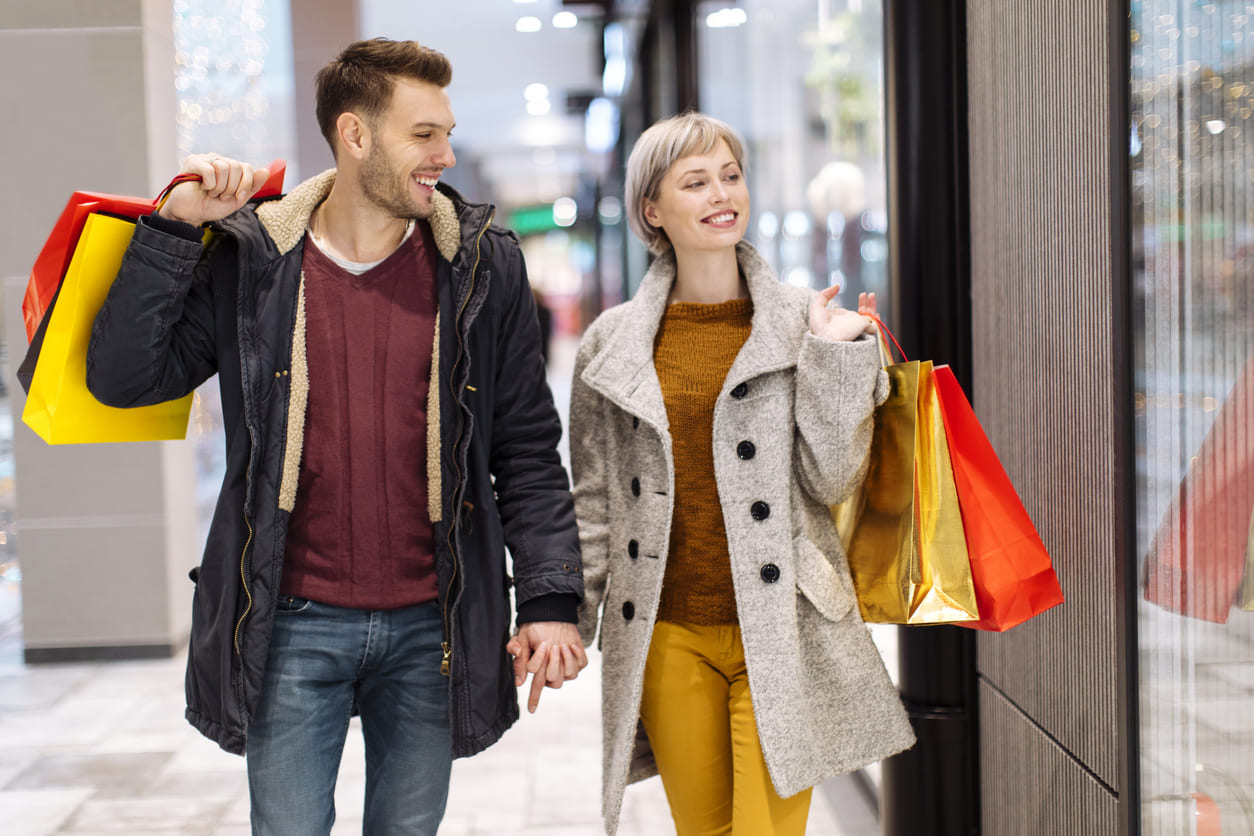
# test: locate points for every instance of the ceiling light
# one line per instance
(538, 107)
(528, 24)
(610, 210)
(724, 18)
(565, 20)
(536, 91)
(564, 211)
(614, 76)
(600, 125)
(796, 225)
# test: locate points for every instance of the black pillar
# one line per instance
(933, 789)
(687, 72)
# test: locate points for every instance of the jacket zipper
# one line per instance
(243, 576)
(446, 664)
(243, 557)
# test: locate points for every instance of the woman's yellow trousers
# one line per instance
(698, 714)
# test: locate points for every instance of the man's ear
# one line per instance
(354, 134)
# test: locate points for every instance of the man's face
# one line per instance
(409, 150)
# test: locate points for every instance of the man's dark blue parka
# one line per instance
(180, 311)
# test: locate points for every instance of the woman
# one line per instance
(714, 418)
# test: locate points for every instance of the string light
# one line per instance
(220, 53)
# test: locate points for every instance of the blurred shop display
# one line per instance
(803, 83)
(1191, 161)
(234, 81)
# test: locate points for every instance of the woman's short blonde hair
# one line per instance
(657, 149)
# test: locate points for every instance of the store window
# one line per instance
(1192, 178)
(233, 77)
(803, 84)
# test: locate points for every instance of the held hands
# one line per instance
(840, 324)
(550, 651)
(225, 186)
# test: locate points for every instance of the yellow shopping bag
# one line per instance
(58, 406)
(902, 530)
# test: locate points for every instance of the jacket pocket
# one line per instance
(824, 586)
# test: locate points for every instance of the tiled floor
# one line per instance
(93, 749)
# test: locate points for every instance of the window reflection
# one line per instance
(803, 83)
(1192, 166)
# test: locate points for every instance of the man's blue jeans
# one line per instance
(321, 659)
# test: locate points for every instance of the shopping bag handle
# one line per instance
(884, 349)
(272, 186)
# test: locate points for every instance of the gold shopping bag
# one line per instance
(58, 406)
(902, 529)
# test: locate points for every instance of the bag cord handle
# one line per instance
(884, 349)
(185, 177)
(271, 187)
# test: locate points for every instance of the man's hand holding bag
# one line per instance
(67, 288)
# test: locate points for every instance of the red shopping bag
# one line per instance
(1014, 577)
(54, 258)
(1197, 558)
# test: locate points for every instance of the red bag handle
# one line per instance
(879, 323)
(272, 186)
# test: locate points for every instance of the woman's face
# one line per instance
(702, 202)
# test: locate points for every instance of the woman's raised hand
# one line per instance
(841, 324)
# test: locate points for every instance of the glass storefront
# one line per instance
(1192, 178)
(803, 84)
(235, 97)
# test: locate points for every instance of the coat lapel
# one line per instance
(623, 370)
(774, 340)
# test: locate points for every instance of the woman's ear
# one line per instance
(650, 213)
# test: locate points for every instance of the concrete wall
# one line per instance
(105, 533)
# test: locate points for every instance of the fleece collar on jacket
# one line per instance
(623, 369)
(286, 222)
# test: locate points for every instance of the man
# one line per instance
(389, 431)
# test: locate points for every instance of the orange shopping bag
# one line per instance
(1014, 577)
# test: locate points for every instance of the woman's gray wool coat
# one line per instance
(822, 698)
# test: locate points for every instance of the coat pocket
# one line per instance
(828, 589)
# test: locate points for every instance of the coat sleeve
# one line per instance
(838, 386)
(588, 461)
(532, 488)
(152, 340)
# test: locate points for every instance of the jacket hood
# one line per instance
(286, 220)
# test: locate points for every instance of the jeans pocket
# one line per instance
(292, 604)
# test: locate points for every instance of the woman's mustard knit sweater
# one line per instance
(696, 344)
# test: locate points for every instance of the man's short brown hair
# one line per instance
(361, 79)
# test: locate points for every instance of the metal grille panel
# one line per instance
(1044, 368)
(1041, 790)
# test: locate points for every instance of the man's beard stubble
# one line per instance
(379, 185)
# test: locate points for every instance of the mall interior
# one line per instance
(1054, 198)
